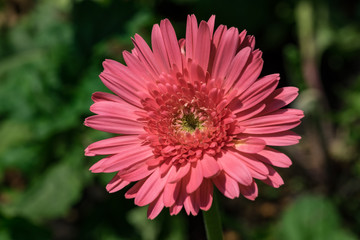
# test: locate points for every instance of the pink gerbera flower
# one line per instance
(191, 114)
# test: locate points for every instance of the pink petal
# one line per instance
(131, 193)
(146, 55)
(271, 128)
(171, 43)
(236, 67)
(273, 157)
(116, 184)
(159, 49)
(191, 36)
(138, 68)
(171, 193)
(253, 163)
(280, 98)
(211, 24)
(285, 138)
(232, 165)
(202, 50)
(103, 96)
(205, 193)
(274, 179)
(242, 36)
(281, 116)
(151, 189)
(209, 166)
(219, 32)
(191, 205)
(250, 112)
(115, 109)
(218, 35)
(155, 208)
(175, 209)
(123, 75)
(248, 41)
(255, 174)
(260, 90)
(135, 154)
(180, 173)
(226, 185)
(111, 145)
(250, 192)
(119, 88)
(256, 54)
(196, 73)
(195, 178)
(137, 173)
(225, 53)
(165, 167)
(250, 145)
(250, 75)
(259, 86)
(114, 124)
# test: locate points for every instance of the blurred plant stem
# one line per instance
(312, 30)
(212, 221)
(305, 27)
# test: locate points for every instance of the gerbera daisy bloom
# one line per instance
(190, 115)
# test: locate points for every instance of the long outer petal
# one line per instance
(134, 154)
(250, 145)
(171, 43)
(236, 67)
(116, 184)
(209, 166)
(159, 49)
(104, 96)
(280, 98)
(191, 35)
(273, 157)
(155, 208)
(285, 138)
(205, 195)
(127, 93)
(121, 109)
(226, 185)
(249, 76)
(111, 145)
(250, 192)
(202, 50)
(195, 178)
(233, 166)
(114, 125)
(151, 189)
(225, 53)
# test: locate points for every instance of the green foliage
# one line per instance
(348, 117)
(311, 217)
(149, 230)
(20, 228)
(50, 196)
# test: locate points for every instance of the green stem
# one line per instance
(212, 221)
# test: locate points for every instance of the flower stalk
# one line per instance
(212, 221)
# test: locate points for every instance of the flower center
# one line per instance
(189, 123)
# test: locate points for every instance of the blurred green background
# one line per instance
(50, 58)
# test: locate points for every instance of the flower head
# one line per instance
(191, 114)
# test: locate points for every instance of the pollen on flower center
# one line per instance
(189, 123)
(188, 119)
